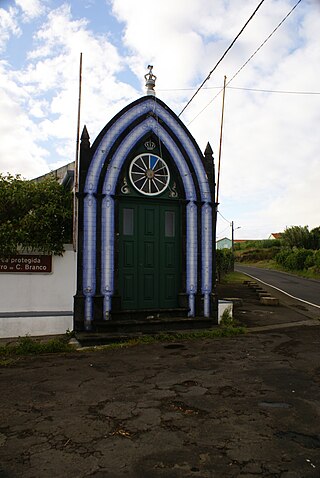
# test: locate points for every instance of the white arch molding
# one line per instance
(149, 124)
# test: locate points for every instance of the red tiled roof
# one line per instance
(276, 235)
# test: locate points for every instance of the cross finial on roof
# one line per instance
(150, 81)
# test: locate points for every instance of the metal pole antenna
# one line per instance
(232, 244)
(76, 165)
(232, 237)
(220, 142)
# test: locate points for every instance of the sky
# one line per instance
(270, 152)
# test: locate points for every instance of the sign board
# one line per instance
(31, 263)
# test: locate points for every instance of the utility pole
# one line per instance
(232, 237)
(220, 142)
(76, 164)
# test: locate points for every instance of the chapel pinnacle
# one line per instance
(150, 81)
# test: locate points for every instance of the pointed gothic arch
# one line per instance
(99, 296)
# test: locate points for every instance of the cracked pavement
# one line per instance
(246, 406)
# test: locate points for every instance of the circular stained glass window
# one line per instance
(149, 174)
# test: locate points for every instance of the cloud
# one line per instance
(269, 164)
(8, 26)
(31, 8)
(19, 151)
(59, 73)
(46, 92)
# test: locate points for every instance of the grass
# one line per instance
(223, 331)
(10, 353)
(234, 278)
(4, 362)
(28, 346)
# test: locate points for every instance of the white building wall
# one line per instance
(39, 304)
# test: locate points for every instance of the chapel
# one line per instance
(146, 221)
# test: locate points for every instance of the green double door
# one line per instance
(149, 255)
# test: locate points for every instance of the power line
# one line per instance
(225, 53)
(265, 41)
(257, 90)
(188, 89)
(224, 217)
(249, 59)
(223, 230)
(211, 101)
(287, 92)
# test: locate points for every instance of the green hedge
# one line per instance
(258, 244)
(298, 259)
(255, 255)
(225, 262)
(34, 216)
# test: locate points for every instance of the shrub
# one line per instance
(296, 259)
(29, 346)
(282, 256)
(34, 216)
(315, 238)
(267, 243)
(297, 236)
(255, 255)
(310, 261)
(225, 262)
(317, 260)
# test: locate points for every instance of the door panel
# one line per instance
(128, 274)
(148, 288)
(149, 220)
(169, 248)
(149, 255)
(128, 288)
(169, 255)
(128, 253)
(169, 287)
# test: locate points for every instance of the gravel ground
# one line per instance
(247, 406)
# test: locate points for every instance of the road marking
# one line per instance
(287, 325)
(280, 290)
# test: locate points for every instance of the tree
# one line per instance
(297, 236)
(315, 238)
(225, 262)
(34, 216)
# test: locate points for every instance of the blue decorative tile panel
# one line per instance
(123, 122)
(89, 246)
(206, 247)
(107, 253)
(149, 124)
(131, 140)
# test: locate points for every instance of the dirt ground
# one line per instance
(247, 406)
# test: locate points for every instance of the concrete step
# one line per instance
(269, 301)
(118, 330)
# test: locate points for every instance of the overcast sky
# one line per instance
(270, 163)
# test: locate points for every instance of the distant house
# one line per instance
(64, 175)
(275, 235)
(224, 243)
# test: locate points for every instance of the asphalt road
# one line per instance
(237, 407)
(306, 290)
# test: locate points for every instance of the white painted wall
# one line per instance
(12, 327)
(222, 306)
(49, 296)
